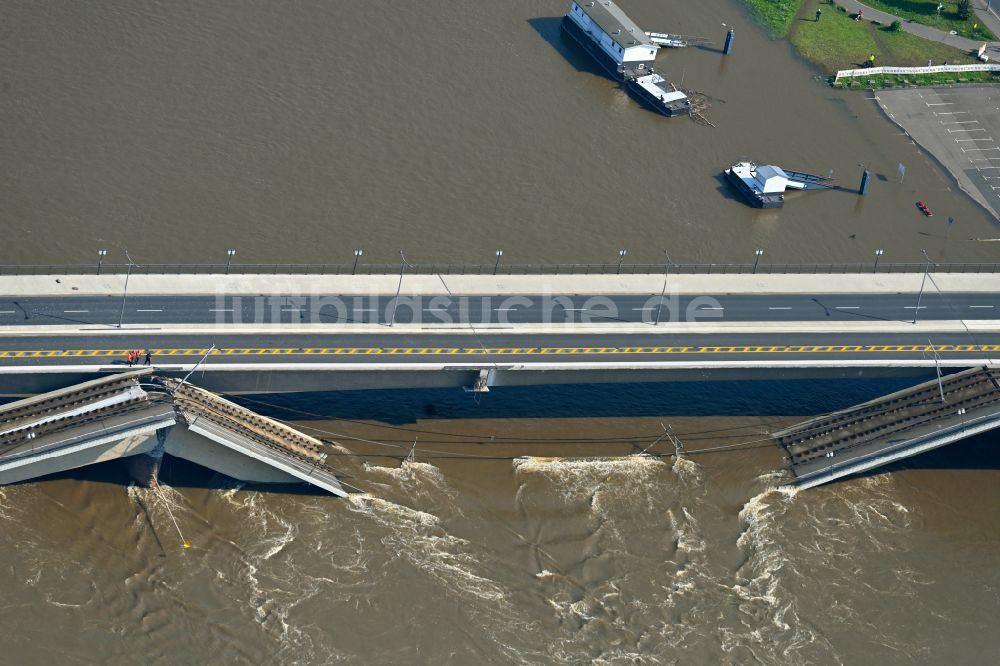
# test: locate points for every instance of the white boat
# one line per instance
(611, 37)
(659, 94)
(764, 186)
(625, 51)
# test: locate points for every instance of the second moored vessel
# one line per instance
(764, 186)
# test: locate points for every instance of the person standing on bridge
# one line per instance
(149, 358)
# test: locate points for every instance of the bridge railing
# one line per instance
(490, 269)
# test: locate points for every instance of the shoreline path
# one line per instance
(988, 17)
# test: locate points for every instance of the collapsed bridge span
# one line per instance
(140, 416)
(893, 427)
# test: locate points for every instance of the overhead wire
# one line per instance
(494, 438)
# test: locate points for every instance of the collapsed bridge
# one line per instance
(893, 427)
(140, 416)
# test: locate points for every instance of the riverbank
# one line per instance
(925, 13)
(836, 41)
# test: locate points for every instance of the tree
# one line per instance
(964, 9)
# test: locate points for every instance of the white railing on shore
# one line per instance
(937, 69)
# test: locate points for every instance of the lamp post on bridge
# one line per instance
(756, 258)
(666, 276)
(878, 253)
(100, 259)
(621, 258)
(128, 274)
(230, 253)
(496, 266)
(920, 294)
(403, 263)
(357, 255)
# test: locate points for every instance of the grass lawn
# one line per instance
(908, 80)
(775, 15)
(925, 11)
(839, 42)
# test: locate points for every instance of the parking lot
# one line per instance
(960, 127)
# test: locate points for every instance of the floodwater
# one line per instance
(476, 553)
(296, 132)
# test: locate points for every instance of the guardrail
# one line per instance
(937, 69)
(491, 269)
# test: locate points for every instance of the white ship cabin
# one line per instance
(616, 34)
(771, 179)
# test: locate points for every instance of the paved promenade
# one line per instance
(933, 34)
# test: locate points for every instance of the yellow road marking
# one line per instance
(509, 351)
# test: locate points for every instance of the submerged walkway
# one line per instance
(929, 33)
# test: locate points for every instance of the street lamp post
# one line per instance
(756, 258)
(920, 294)
(496, 266)
(621, 258)
(128, 274)
(666, 276)
(230, 253)
(395, 302)
(100, 259)
(357, 255)
(878, 253)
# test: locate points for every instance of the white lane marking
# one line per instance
(290, 309)
(709, 307)
(978, 129)
(848, 307)
(642, 309)
(75, 311)
(972, 150)
(780, 308)
(364, 309)
(503, 309)
(980, 306)
(576, 309)
(914, 307)
(948, 113)
(960, 122)
(149, 310)
(6, 311)
(939, 103)
(437, 309)
(220, 309)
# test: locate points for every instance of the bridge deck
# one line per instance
(115, 416)
(895, 426)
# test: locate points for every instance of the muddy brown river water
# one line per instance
(297, 132)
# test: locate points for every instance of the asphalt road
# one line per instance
(489, 349)
(153, 310)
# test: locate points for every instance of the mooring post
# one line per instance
(728, 48)
(865, 178)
